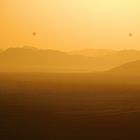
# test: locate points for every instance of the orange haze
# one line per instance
(70, 24)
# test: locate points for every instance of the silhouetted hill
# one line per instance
(93, 52)
(131, 68)
(32, 59)
(119, 58)
(27, 59)
(107, 59)
(28, 56)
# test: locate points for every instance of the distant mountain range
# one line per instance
(32, 59)
(93, 52)
(131, 69)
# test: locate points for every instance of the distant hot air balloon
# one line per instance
(34, 33)
(130, 34)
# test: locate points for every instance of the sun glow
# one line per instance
(68, 24)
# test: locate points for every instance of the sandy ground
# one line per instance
(69, 107)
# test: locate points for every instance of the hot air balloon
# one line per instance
(130, 34)
(34, 33)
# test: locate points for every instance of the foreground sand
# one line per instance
(69, 107)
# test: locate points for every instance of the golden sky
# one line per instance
(70, 24)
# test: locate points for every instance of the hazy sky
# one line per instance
(70, 24)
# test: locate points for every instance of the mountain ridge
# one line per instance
(33, 59)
